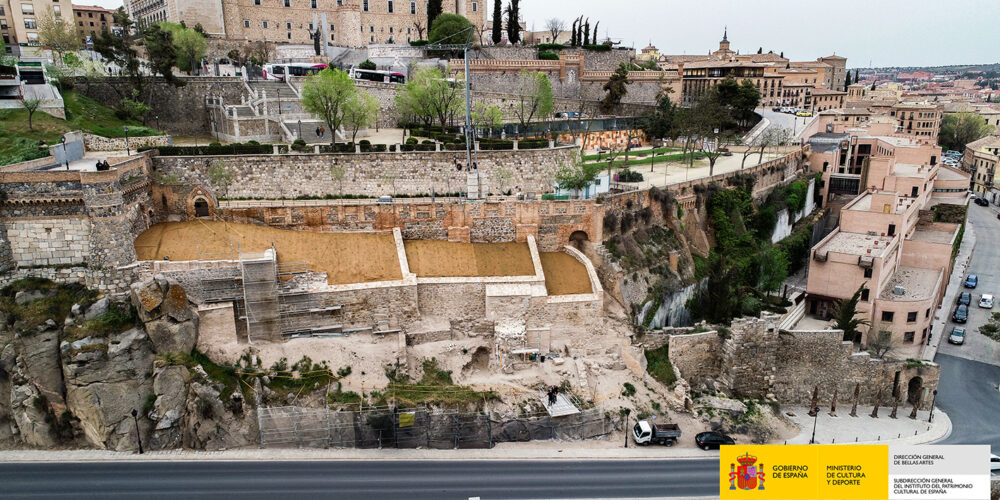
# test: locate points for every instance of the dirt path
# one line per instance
(564, 275)
(432, 258)
(345, 257)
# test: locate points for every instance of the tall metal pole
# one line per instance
(468, 114)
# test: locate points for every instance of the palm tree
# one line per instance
(844, 313)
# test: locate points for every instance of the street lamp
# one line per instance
(300, 129)
(62, 140)
(127, 150)
(138, 438)
(930, 418)
(812, 440)
(627, 412)
(279, 100)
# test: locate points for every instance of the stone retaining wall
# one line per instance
(97, 143)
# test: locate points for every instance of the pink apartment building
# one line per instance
(887, 242)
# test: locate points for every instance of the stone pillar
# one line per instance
(476, 145)
(357, 148)
(552, 144)
(323, 45)
(437, 147)
(274, 149)
(316, 148)
(515, 144)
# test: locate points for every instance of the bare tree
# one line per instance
(31, 105)
(555, 27)
(880, 343)
(417, 25)
(766, 138)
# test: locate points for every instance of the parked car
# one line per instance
(384, 200)
(709, 440)
(983, 202)
(994, 464)
(961, 314)
(957, 336)
(986, 301)
(964, 298)
(971, 281)
(646, 432)
(777, 109)
(804, 113)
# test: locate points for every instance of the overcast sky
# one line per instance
(879, 32)
(885, 32)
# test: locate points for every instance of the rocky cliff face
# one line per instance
(74, 368)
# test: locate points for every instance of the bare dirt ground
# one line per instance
(345, 257)
(564, 275)
(432, 258)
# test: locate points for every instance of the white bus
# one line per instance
(281, 71)
(377, 76)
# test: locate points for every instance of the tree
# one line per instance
(773, 270)
(220, 176)
(433, 11)
(488, 117)
(326, 95)
(768, 137)
(419, 26)
(5, 58)
(845, 313)
(847, 81)
(31, 105)
(586, 33)
(578, 175)
(616, 88)
(189, 45)
(660, 122)
(161, 52)
(880, 342)
(337, 173)
(959, 129)
(598, 23)
(572, 35)
(711, 120)
(428, 96)
(534, 97)
(555, 27)
(199, 29)
(497, 34)
(513, 22)
(449, 28)
(367, 64)
(119, 50)
(992, 327)
(360, 112)
(57, 34)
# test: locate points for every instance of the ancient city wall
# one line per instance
(696, 355)
(98, 143)
(371, 174)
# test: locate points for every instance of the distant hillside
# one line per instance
(954, 68)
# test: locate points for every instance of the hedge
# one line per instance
(604, 47)
(417, 147)
(418, 43)
(550, 46)
(548, 56)
(533, 144)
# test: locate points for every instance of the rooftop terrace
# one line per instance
(857, 244)
(917, 284)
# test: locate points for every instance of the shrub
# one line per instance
(367, 64)
(604, 47)
(550, 46)
(253, 143)
(548, 56)
(231, 149)
(214, 144)
(365, 142)
(628, 175)
(629, 390)
(418, 43)
(659, 367)
(411, 140)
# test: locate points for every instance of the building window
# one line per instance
(263, 24)
(371, 29)
(246, 23)
(310, 26)
(475, 7)
(892, 230)
(364, 5)
(289, 35)
(30, 24)
(864, 295)
(390, 29)
(390, 6)
(908, 337)
(56, 10)
(256, 2)
(288, 25)
(312, 4)
(868, 272)
(887, 316)
(911, 316)
(288, 3)
(413, 7)
(27, 9)
(927, 313)
(33, 37)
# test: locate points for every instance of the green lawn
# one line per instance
(19, 143)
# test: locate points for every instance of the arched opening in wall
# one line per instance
(578, 238)
(152, 216)
(201, 208)
(913, 390)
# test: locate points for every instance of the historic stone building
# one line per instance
(347, 23)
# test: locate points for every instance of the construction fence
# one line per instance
(298, 427)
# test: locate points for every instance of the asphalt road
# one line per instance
(968, 392)
(487, 479)
(985, 263)
(783, 120)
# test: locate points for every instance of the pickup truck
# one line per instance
(646, 432)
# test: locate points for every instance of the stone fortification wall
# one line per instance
(760, 361)
(599, 61)
(550, 222)
(49, 242)
(97, 143)
(504, 52)
(179, 110)
(372, 174)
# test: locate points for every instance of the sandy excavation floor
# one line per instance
(432, 258)
(345, 257)
(564, 275)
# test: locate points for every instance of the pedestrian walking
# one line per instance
(319, 133)
(322, 131)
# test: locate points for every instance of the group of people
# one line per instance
(102, 165)
(320, 131)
